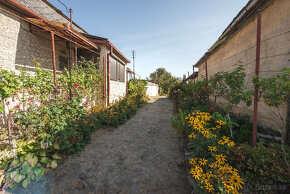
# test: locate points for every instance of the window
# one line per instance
(113, 69)
(122, 73)
(117, 70)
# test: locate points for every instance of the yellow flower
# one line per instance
(218, 126)
(214, 135)
(221, 142)
(231, 144)
(220, 158)
(226, 139)
(192, 161)
(209, 188)
(202, 161)
(212, 149)
(192, 135)
(236, 181)
(228, 187)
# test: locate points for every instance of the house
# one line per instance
(152, 89)
(35, 29)
(238, 44)
(114, 64)
(192, 78)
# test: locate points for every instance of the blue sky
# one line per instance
(172, 34)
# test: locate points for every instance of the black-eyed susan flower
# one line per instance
(212, 149)
(236, 181)
(202, 161)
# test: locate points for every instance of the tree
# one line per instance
(164, 79)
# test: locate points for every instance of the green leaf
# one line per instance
(18, 178)
(31, 177)
(38, 173)
(56, 156)
(29, 156)
(42, 153)
(15, 163)
(27, 170)
(44, 160)
(26, 182)
(56, 146)
(52, 164)
(13, 186)
(32, 161)
(13, 174)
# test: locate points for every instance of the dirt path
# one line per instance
(142, 156)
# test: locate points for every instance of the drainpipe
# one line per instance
(104, 68)
(193, 76)
(76, 55)
(257, 68)
(108, 78)
(206, 77)
(54, 63)
(69, 61)
(127, 81)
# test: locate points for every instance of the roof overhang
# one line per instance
(114, 49)
(60, 29)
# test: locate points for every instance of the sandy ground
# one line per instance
(142, 156)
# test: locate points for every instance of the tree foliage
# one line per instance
(164, 79)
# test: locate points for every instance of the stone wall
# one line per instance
(241, 49)
(23, 42)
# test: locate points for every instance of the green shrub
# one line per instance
(260, 165)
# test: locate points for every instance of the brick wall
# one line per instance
(241, 48)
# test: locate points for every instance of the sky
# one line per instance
(173, 34)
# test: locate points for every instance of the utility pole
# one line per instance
(133, 62)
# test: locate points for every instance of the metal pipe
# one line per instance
(257, 69)
(193, 76)
(69, 60)
(68, 28)
(54, 63)
(134, 63)
(70, 13)
(127, 81)
(206, 77)
(104, 68)
(109, 77)
(76, 55)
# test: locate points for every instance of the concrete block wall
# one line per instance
(9, 30)
(23, 42)
(241, 49)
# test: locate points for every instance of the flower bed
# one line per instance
(58, 126)
(221, 159)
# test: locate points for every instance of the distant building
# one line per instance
(152, 89)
